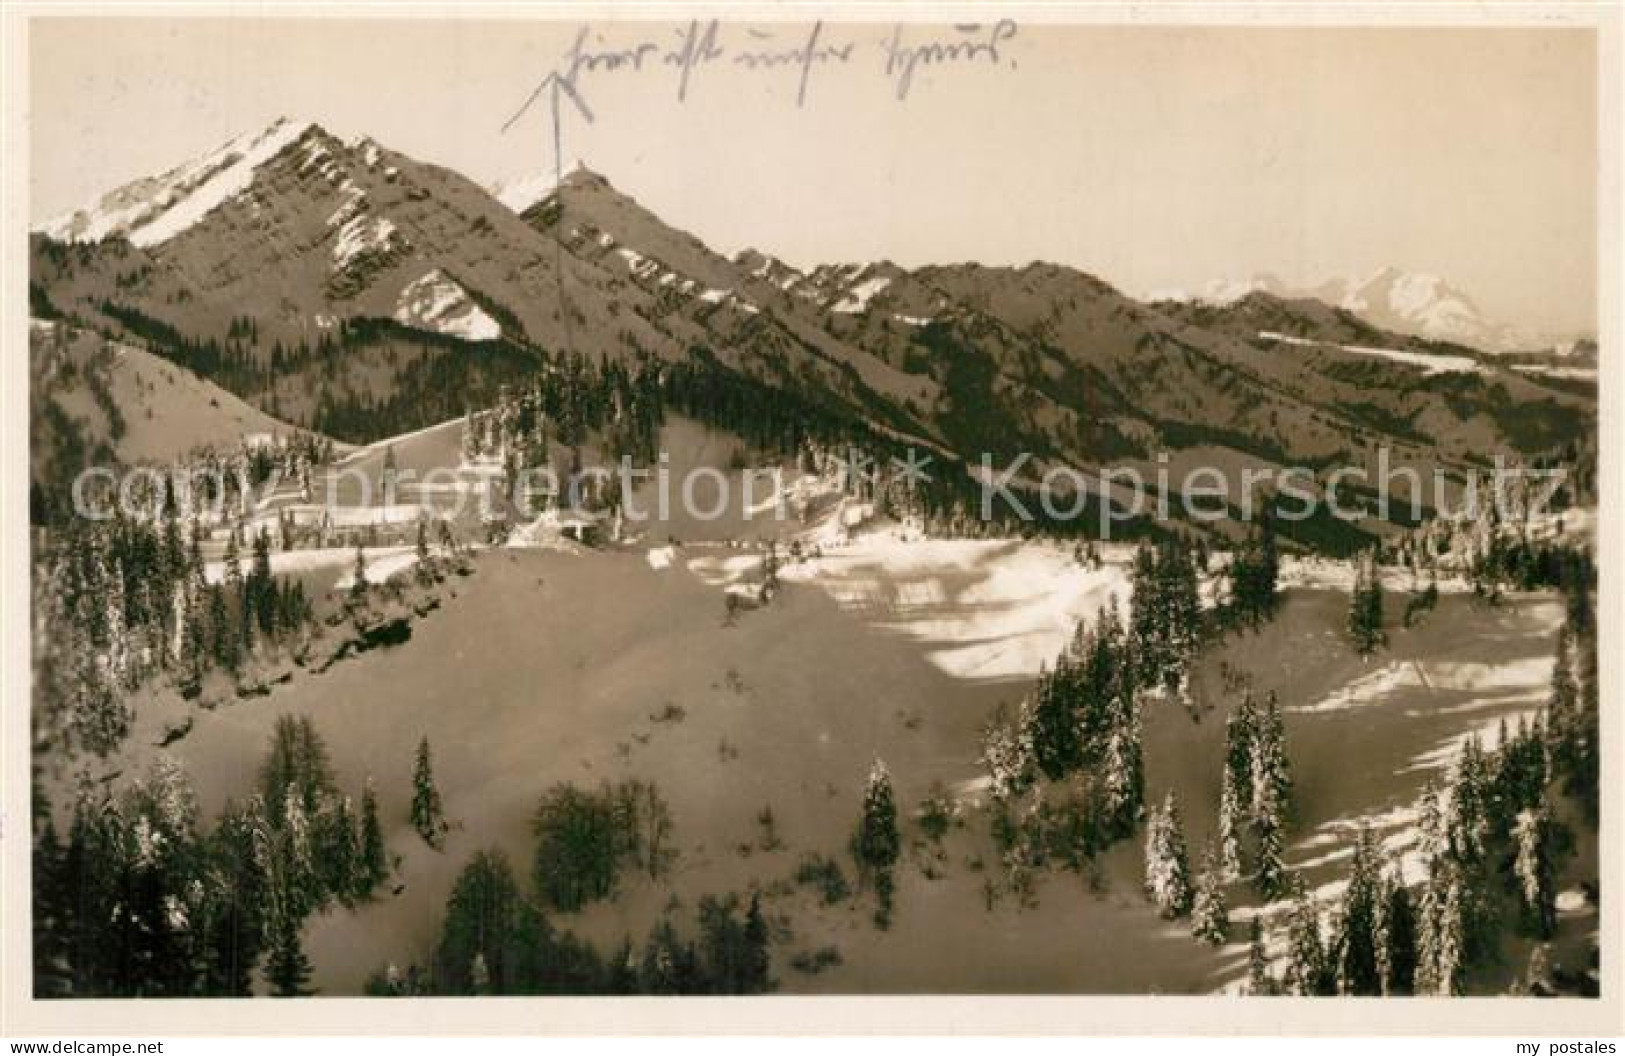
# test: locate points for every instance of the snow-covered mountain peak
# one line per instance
(522, 192)
(1424, 305)
(157, 208)
(1416, 303)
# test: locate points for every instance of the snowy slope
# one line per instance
(766, 719)
(156, 208)
(436, 302)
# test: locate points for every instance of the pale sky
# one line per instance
(1153, 157)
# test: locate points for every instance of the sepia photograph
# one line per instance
(792, 502)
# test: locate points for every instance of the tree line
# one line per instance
(120, 602)
(140, 901)
(496, 940)
(1490, 842)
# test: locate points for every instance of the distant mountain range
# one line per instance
(351, 289)
(1404, 302)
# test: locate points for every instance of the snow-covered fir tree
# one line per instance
(1259, 981)
(1230, 829)
(1210, 917)
(1007, 752)
(1467, 821)
(1122, 767)
(1533, 866)
(878, 844)
(1166, 626)
(1441, 934)
(1271, 797)
(1167, 865)
(1355, 942)
(1236, 791)
(1305, 973)
(1430, 824)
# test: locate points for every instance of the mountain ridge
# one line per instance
(1412, 303)
(361, 291)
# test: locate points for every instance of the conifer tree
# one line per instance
(1450, 968)
(1210, 918)
(427, 816)
(374, 868)
(1534, 869)
(1056, 746)
(1167, 866)
(1305, 974)
(1441, 939)
(1396, 936)
(261, 592)
(294, 868)
(296, 765)
(1259, 982)
(1253, 573)
(1467, 823)
(1236, 792)
(224, 643)
(1122, 767)
(1430, 823)
(1365, 619)
(1355, 943)
(1271, 796)
(288, 969)
(1007, 753)
(1145, 624)
(1098, 673)
(1271, 776)
(1562, 704)
(1271, 872)
(340, 849)
(877, 844)
(1183, 615)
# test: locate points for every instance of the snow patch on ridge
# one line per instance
(523, 192)
(858, 297)
(1431, 364)
(436, 302)
(360, 235)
